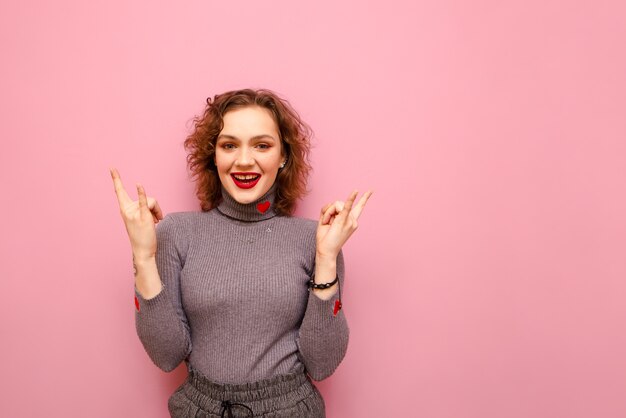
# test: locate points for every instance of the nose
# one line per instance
(245, 157)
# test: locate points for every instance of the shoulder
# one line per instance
(298, 223)
(183, 217)
(299, 232)
(179, 223)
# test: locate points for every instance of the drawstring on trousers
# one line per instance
(228, 400)
(227, 407)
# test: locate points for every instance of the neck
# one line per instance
(258, 210)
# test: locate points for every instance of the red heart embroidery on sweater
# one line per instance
(263, 207)
(136, 302)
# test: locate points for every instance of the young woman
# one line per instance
(242, 291)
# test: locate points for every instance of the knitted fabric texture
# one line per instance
(235, 302)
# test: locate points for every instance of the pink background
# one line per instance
(486, 278)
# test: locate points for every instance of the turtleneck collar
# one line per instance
(260, 209)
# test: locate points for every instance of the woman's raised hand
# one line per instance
(338, 221)
(139, 217)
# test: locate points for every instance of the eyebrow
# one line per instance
(253, 138)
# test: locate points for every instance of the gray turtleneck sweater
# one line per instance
(234, 302)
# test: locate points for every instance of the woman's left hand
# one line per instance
(338, 221)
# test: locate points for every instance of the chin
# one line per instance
(245, 197)
(244, 201)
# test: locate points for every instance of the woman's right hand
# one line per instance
(139, 217)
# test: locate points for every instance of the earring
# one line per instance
(282, 165)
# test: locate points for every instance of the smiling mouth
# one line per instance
(245, 181)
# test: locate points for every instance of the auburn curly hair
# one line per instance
(295, 136)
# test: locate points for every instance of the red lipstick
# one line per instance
(245, 184)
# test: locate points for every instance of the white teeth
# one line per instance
(247, 177)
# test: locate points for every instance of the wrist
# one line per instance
(143, 259)
(325, 257)
(325, 294)
(325, 271)
(316, 285)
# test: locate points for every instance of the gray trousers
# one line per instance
(284, 396)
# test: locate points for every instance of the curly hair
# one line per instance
(295, 136)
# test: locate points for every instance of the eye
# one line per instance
(227, 145)
(264, 146)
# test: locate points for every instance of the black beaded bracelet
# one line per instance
(313, 285)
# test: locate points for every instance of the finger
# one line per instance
(155, 208)
(159, 212)
(332, 211)
(348, 206)
(143, 202)
(327, 214)
(323, 212)
(122, 196)
(337, 202)
(325, 208)
(356, 211)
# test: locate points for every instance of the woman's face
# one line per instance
(248, 146)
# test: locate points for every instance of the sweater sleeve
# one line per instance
(161, 323)
(323, 337)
